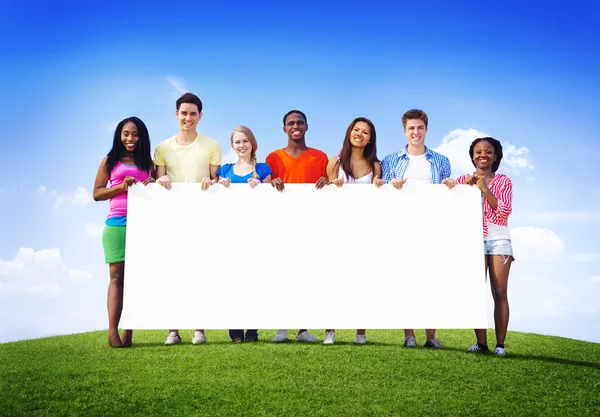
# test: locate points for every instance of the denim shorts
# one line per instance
(498, 247)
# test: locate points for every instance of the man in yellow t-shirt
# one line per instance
(188, 156)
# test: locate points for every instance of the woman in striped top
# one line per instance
(486, 154)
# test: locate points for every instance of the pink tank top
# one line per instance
(118, 204)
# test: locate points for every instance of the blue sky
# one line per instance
(524, 74)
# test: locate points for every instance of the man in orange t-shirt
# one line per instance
(297, 163)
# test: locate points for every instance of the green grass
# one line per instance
(80, 375)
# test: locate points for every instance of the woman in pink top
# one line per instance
(357, 163)
(486, 154)
(129, 161)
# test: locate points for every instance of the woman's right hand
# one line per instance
(338, 182)
(127, 182)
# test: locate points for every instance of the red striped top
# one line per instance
(501, 187)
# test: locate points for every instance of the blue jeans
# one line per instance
(250, 334)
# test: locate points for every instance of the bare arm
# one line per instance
(101, 193)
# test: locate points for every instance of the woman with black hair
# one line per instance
(357, 163)
(129, 161)
(486, 154)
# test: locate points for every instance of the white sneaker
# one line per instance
(500, 351)
(410, 341)
(199, 337)
(305, 336)
(281, 336)
(329, 338)
(360, 339)
(172, 339)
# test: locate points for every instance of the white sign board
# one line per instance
(345, 258)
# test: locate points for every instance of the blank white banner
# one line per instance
(350, 257)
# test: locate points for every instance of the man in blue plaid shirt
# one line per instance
(418, 164)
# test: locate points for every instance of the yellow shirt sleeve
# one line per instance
(215, 154)
(159, 155)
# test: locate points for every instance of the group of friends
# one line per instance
(190, 156)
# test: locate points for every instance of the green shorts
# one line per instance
(113, 241)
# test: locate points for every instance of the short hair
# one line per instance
(497, 150)
(189, 98)
(294, 111)
(414, 114)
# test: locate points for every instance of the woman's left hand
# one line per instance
(148, 180)
(481, 184)
(253, 182)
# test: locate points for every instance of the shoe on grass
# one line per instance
(476, 347)
(360, 339)
(305, 336)
(433, 343)
(281, 336)
(329, 338)
(173, 338)
(199, 337)
(410, 341)
(500, 351)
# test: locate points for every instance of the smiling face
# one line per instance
(295, 126)
(360, 135)
(188, 117)
(129, 136)
(415, 132)
(484, 155)
(241, 145)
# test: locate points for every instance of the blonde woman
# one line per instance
(245, 170)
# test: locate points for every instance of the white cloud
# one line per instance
(79, 197)
(561, 216)
(585, 257)
(534, 243)
(230, 157)
(177, 83)
(41, 273)
(455, 145)
(516, 159)
(595, 279)
(42, 189)
(41, 296)
(94, 229)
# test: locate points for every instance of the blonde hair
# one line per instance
(250, 136)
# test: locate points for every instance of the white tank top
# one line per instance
(367, 179)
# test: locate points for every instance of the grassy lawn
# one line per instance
(80, 375)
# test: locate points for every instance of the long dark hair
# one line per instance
(141, 154)
(497, 150)
(369, 152)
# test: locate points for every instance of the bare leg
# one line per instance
(114, 302)
(429, 333)
(127, 337)
(499, 270)
(361, 332)
(409, 332)
(481, 334)
(330, 330)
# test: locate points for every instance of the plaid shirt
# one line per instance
(394, 165)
